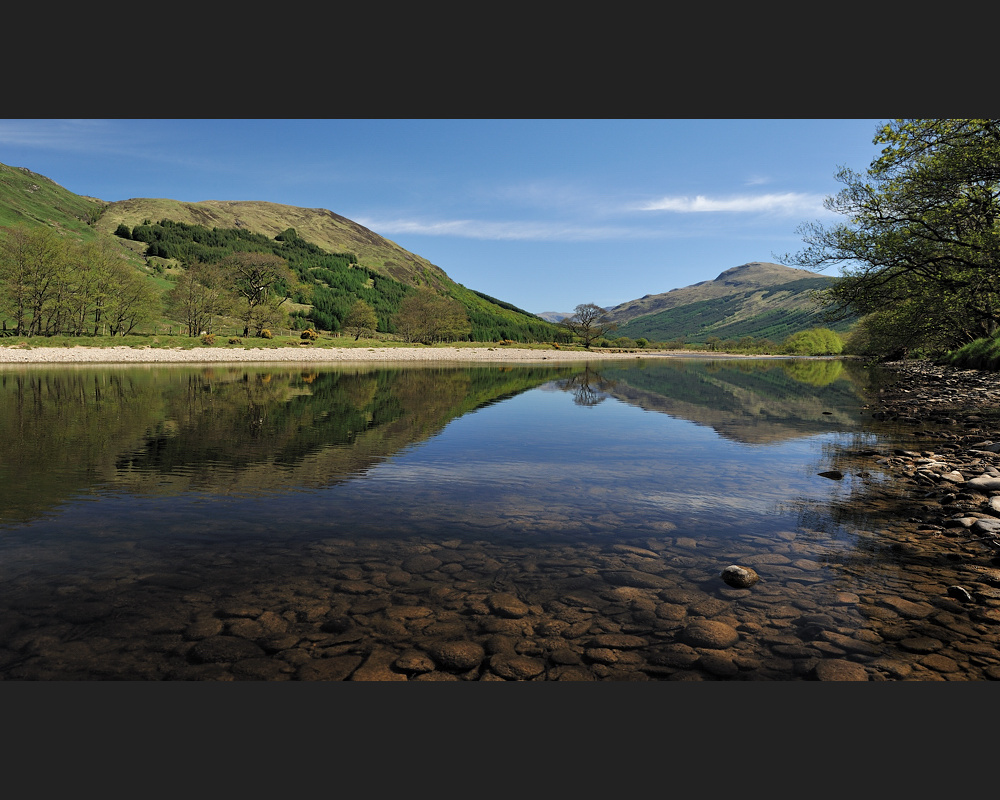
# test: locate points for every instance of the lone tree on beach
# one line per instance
(589, 322)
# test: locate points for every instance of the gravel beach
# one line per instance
(20, 354)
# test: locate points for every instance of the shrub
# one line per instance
(266, 334)
(814, 342)
(309, 334)
(208, 338)
(235, 340)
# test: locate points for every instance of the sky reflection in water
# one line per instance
(372, 512)
(558, 459)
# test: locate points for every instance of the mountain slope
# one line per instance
(26, 197)
(332, 232)
(492, 319)
(33, 199)
(757, 299)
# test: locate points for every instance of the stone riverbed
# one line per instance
(917, 597)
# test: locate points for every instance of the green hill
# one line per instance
(33, 199)
(758, 299)
(337, 260)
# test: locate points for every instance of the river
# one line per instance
(485, 522)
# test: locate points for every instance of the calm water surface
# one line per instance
(563, 522)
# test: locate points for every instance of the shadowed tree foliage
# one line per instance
(920, 247)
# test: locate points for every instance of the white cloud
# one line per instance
(497, 231)
(67, 134)
(788, 203)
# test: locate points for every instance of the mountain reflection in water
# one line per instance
(563, 521)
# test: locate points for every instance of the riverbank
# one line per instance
(22, 353)
(952, 475)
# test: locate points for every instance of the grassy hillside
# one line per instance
(492, 320)
(331, 232)
(344, 261)
(33, 199)
(760, 300)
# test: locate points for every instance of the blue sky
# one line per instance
(544, 214)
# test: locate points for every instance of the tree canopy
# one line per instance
(427, 317)
(589, 321)
(920, 247)
(50, 284)
(361, 320)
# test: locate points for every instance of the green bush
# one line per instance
(814, 342)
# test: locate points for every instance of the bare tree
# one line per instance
(589, 322)
(262, 280)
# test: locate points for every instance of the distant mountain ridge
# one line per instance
(758, 299)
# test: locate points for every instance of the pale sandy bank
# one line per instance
(19, 354)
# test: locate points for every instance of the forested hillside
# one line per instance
(330, 283)
(371, 283)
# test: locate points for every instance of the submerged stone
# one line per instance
(739, 577)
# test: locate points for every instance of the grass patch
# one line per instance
(981, 354)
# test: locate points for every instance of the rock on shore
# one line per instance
(955, 478)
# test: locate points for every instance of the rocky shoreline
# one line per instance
(954, 476)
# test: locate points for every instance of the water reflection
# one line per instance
(498, 522)
(220, 430)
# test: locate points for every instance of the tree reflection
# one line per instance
(589, 388)
(225, 430)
